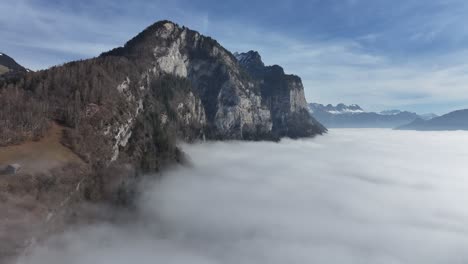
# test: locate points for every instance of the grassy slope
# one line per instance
(32, 202)
(42, 155)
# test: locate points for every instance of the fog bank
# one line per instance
(353, 196)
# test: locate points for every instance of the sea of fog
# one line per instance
(364, 196)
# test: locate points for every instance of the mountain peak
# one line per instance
(249, 59)
(147, 39)
(163, 26)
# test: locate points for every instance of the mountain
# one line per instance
(353, 116)
(457, 120)
(9, 66)
(122, 115)
(166, 84)
(284, 96)
(426, 116)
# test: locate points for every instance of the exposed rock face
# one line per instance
(284, 95)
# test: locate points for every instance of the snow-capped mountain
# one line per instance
(252, 62)
(336, 110)
(249, 58)
(353, 115)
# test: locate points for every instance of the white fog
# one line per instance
(364, 196)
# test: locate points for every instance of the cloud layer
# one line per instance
(352, 196)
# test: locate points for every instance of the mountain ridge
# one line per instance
(456, 120)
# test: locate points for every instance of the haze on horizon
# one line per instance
(404, 54)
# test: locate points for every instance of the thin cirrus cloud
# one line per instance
(358, 51)
(388, 197)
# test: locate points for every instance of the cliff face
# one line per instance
(283, 94)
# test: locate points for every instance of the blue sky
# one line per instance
(406, 54)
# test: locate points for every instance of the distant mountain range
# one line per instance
(457, 120)
(353, 116)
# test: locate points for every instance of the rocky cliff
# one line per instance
(283, 94)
